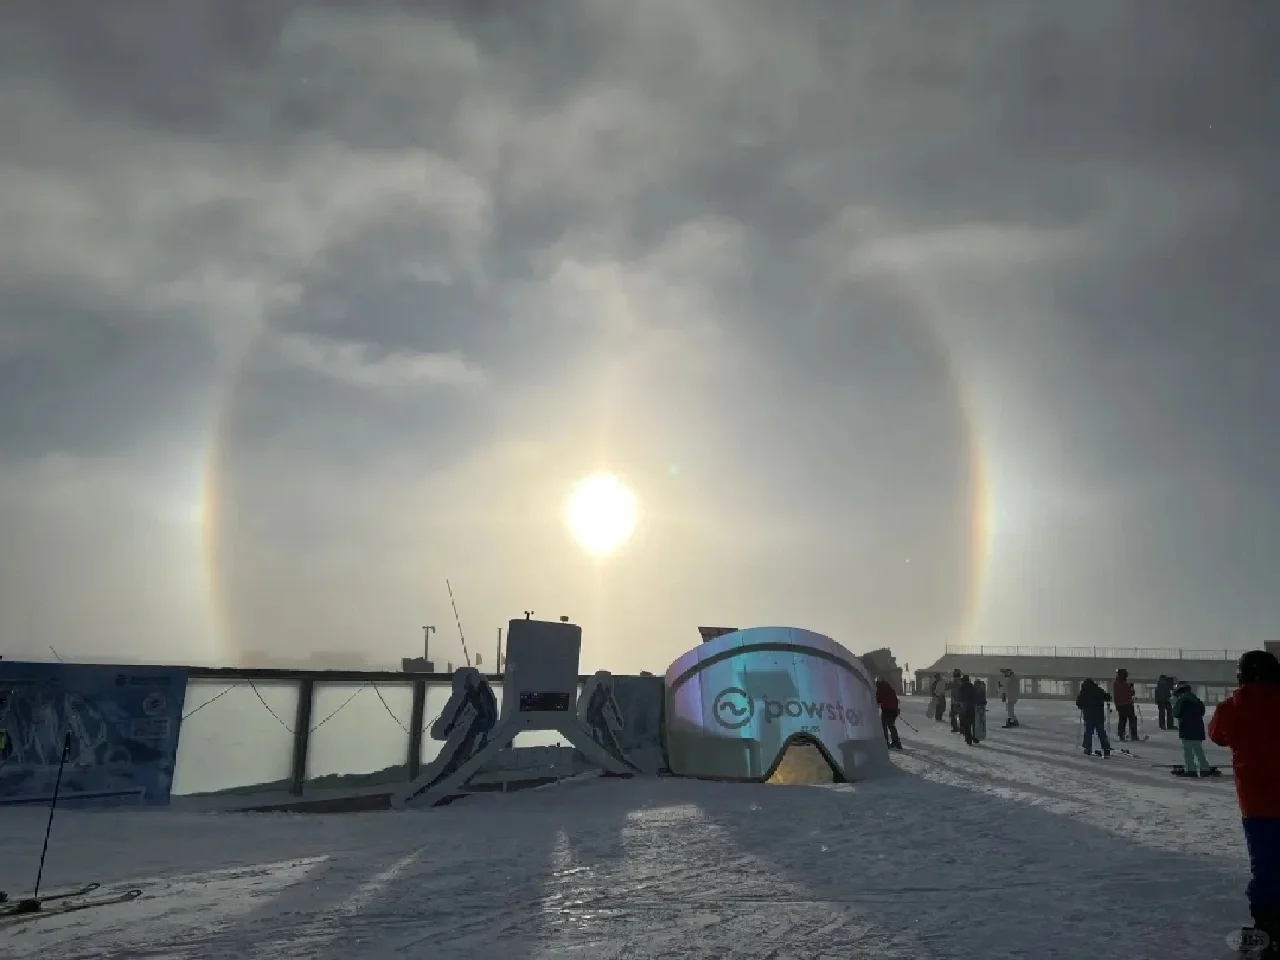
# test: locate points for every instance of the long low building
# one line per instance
(1058, 671)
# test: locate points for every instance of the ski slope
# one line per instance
(1020, 847)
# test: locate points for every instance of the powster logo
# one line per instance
(734, 708)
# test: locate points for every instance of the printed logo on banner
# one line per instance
(124, 729)
(733, 708)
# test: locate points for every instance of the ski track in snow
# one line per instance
(1018, 847)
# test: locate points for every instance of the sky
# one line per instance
(910, 323)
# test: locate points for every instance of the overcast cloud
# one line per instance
(306, 307)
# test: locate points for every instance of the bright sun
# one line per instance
(601, 513)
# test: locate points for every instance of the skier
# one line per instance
(1163, 698)
(1009, 692)
(887, 698)
(1122, 694)
(954, 688)
(1188, 710)
(965, 700)
(980, 708)
(1092, 701)
(939, 693)
(1246, 724)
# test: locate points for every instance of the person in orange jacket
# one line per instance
(1248, 723)
(887, 698)
(1122, 697)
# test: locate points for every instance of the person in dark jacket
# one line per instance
(1188, 710)
(1248, 723)
(966, 707)
(1092, 702)
(1163, 697)
(887, 700)
(980, 709)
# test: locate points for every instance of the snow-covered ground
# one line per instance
(1022, 847)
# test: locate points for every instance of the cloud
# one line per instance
(361, 365)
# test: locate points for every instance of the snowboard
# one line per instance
(1207, 775)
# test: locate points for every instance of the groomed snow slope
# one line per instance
(1021, 847)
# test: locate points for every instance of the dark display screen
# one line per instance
(545, 702)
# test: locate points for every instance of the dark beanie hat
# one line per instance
(1259, 666)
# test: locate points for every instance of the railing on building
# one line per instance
(286, 711)
(1097, 653)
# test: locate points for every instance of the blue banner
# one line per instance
(123, 723)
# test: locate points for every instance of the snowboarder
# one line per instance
(1246, 724)
(1164, 701)
(887, 698)
(1092, 701)
(1188, 710)
(1122, 694)
(954, 688)
(1009, 692)
(980, 709)
(938, 691)
(965, 700)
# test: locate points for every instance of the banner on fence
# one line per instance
(123, 723)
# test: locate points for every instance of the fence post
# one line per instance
(302, 734)
(1179, 653)
(415, 728)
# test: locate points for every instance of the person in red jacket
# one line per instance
(887, 698)
(1248, 722)
(1122, 697)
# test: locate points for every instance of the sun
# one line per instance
(601, 514)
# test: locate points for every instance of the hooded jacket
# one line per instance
(1248, 722)
(1122, 689)
(979, 693)
(1188, 710)
(939, 687)
(886, 696)
(1092, 701)
(1010, 687)
(1164, 688)
(965, 693)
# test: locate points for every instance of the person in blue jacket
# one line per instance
(980, 709)
(1092, 702)
(966, 705)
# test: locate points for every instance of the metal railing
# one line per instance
(1098, 653)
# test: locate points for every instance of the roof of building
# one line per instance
(1141, 670)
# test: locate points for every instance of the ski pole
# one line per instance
(33, 905)
(908, 723)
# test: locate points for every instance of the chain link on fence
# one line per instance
(261, 699)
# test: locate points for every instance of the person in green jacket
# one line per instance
(1188, 711)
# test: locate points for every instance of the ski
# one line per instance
(8, 907)
(1210, 774)
(58, 907)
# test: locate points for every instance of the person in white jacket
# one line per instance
(1009, 692)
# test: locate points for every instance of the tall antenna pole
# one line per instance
(426, 643)
(458, 619)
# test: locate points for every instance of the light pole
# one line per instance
(426, 643)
